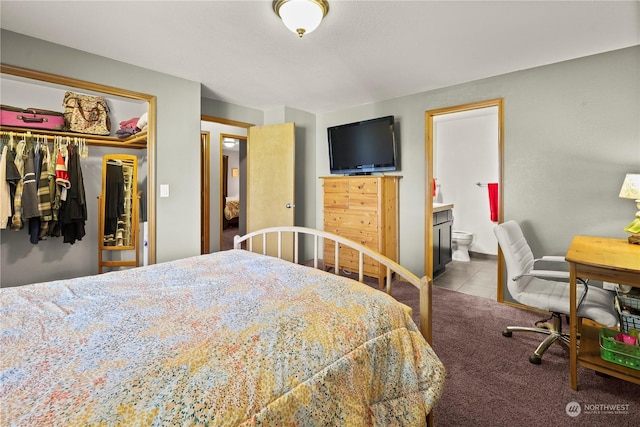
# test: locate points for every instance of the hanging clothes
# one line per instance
(30, 210)
(74, 208)
(30, 190)
(113, 200)
(44, 194)
(13, 177)
(16, 220)
(5, 191)
(55, 225)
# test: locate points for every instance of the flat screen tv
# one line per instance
(363, 148)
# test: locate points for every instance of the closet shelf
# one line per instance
(138, 140)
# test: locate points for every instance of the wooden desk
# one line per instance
(611, 260)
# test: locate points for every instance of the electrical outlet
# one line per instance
(609, 286)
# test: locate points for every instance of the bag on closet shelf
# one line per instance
(86, 114)
(32, 118)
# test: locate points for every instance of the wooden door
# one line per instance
(205, 152)
(270, 182)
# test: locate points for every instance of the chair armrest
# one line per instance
(558, 275)
(552, 258)
(548, 274)
(554, 261)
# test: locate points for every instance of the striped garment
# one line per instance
(30, 190)
(44, 196)
(16, 220)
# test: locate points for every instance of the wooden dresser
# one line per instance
(363, 209)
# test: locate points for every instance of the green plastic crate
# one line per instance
(618, 352)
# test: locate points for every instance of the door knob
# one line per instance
(289, 206)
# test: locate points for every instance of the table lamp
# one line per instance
(631, 190)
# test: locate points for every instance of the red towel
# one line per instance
(493, 201)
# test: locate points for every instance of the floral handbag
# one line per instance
(86, 114)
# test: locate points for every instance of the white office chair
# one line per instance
(547, 290)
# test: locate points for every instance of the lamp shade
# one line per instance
(631, 187)
(301, 16)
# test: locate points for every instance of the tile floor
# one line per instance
(477, 277)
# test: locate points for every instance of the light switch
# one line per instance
(164, 190)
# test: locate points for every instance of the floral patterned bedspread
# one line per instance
(226, 339)
(232, 209)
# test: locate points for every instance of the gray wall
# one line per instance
(571, 134)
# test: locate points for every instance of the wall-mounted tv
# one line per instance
(364, 147)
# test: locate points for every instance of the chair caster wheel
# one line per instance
(507, 334)
(536, 360)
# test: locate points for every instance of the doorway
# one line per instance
(232, 188)
(467, 110)
(211, 168)
(270, 178)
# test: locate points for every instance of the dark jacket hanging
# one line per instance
(74, 209)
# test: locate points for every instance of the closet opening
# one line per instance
(26, 88)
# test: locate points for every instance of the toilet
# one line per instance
(461, 241)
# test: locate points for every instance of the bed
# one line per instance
(234, 338)
(231, 213)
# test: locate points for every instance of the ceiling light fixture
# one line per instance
(301, 16)
(229, 142)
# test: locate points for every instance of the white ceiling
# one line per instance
(363, 51)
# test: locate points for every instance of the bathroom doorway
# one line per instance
(464, 147)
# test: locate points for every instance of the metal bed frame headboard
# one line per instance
(422, 284)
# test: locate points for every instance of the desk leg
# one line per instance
(573, 364)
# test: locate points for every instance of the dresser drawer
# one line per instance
(442, 217)
(366, 237)
(363, 185)
(342, 219)
(360, 201)
(336, 186)
(336, 200)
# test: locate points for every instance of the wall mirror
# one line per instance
(118, 210)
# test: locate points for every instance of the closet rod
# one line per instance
(138, 140)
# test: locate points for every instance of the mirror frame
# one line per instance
(132, 161)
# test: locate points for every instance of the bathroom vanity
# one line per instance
(442, 226)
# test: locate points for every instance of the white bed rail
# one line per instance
(423, 285)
